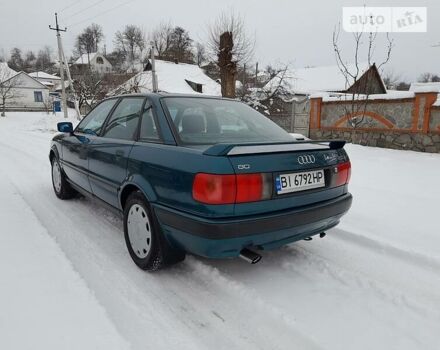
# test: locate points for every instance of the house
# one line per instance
(172, 77)
(311, 80)
(51, 81)
(282, 94)
(27, 92)
(95, 61)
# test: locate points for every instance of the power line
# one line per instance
(69, 6)
(86, 8)
(100, 14)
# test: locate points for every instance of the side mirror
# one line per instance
(66, 127)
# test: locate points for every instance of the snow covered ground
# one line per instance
(66, 280)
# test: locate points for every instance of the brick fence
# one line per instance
(412, 122)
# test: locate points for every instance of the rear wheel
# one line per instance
(60, 185)
(145, 242)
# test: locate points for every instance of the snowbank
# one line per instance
(44, 303)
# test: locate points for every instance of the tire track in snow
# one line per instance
(351, 278)
(420, 259)
(244, 328)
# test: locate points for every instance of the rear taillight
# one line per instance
(229, 189)
(214, 188)
(343, 173)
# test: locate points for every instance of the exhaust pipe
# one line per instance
(250, 256)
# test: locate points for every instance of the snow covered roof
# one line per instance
(174, 78)
(425, 87)
(84, 58)
(44, 75)
(6, 72)
(47, 83)
(316, 79)
(66, 85)
(390, 95)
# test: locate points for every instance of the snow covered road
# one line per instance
(373, 282)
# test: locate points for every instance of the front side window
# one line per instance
(124, 120)
(38, 96)
(210, 121)
(93, 122)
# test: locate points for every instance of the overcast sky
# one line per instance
(298, 32)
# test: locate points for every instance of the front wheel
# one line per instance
(60, 185)
(145, 242)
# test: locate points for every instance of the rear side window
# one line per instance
(148, 125)
(92, 122)
(124, 120)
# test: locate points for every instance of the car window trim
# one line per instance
(111, 114)
(159, 131)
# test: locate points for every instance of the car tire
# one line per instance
(145, 242)
(61, 187)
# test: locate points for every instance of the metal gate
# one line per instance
(300, 116)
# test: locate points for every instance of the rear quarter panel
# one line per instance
(166, 174)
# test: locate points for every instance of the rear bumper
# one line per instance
(226, 237)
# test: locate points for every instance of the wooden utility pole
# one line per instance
(61, 58)
(256, 75)
(72, 89)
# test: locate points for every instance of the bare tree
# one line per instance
(88, 41)
(89, 89)
(181, 46)
(200, 54)
(131, 41)
(391, 80)
(16, 60)
(359, 91)
(8, 85)
(429, 78)
(403, 86)
(162, 39)
(278, 87)
(44, 60)
(48, 104)
(230, 46)
(29, 62)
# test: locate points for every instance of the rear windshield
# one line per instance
(211, 121)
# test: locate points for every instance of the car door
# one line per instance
(108, 153)
(75, 147)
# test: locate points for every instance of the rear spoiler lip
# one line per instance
(223, 149)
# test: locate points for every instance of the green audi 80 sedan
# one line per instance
(201, 175)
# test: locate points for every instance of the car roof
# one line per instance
(157, 95)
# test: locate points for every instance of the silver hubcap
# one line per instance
(139, 230)
(56, 176)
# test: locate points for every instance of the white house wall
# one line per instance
(24, 94)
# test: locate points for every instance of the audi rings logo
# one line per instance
(307, 159)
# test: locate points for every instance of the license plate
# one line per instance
(286, 183)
